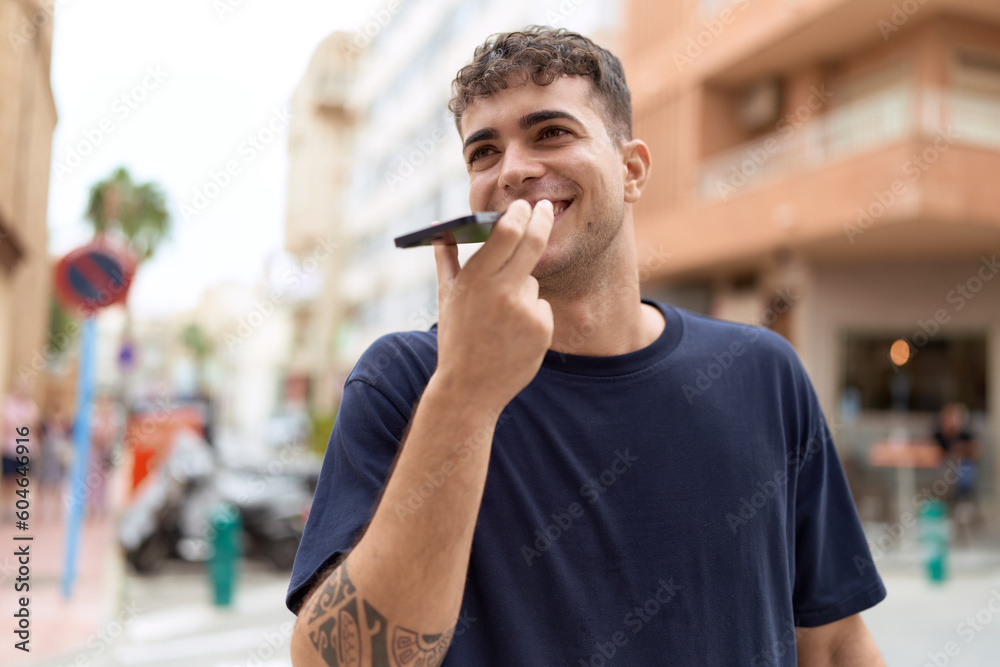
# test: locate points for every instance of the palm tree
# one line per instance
(137, 211)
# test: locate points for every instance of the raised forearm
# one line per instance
(396, 597)
(340, 627)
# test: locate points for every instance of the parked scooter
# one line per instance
(274, 511)
(170, 516)
(151, 528)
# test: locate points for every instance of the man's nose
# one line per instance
(519, 165)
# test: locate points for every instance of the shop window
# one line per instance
(915, 372)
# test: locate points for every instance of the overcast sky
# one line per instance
(173, 90)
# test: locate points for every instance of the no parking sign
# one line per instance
(95, 276)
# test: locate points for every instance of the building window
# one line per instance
(973, 104)
(915, 371)
(978, 73)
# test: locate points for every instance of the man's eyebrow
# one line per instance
(525, 122)
(481, 135)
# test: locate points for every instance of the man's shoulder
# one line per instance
(707, 335)
(723, 360)
(401, 356)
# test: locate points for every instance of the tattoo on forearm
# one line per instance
(413, 650)
(348, 632)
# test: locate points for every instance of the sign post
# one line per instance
(89, 278)
(81, 448)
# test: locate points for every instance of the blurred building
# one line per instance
(244, 336)
(828, 168)
(320, 145)
(250, 332)
(27, 120)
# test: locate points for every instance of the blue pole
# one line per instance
(81, 447)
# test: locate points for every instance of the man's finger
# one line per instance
(448, 266)
(532, 245)
(503, 239)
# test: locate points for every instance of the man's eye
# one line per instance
(479, 153)
(552, 132)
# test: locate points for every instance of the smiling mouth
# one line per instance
(558, 207)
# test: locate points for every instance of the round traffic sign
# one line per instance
(95, 276)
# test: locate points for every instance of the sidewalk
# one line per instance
(951, 624)
(60, 626)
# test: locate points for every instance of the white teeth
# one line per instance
(557, 210)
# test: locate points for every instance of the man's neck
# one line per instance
(607, 318)
(605, 323)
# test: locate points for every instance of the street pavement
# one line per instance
(952, 624)
(57, 624)
(114, 617)
(943, 624)
(169, 619)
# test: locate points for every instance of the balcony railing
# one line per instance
(973, 118)
(862, 125)
(713, 7)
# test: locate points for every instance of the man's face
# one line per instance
(549, 142)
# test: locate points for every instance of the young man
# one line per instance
(558, 497)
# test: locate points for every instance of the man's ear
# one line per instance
(636, 165)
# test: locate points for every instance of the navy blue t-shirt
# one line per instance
(681, 504)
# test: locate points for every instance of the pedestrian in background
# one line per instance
(56, 458)
(953, 436)
(961, 449)
(105, 434)
(18, 410)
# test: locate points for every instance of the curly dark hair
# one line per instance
(543, 54)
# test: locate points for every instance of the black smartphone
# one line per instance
(472, 228)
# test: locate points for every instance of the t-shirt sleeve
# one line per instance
(359, 456)
(835, 576)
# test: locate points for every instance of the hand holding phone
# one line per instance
(493, 329)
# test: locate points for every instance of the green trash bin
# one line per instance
(934, 539)
(227, 548)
